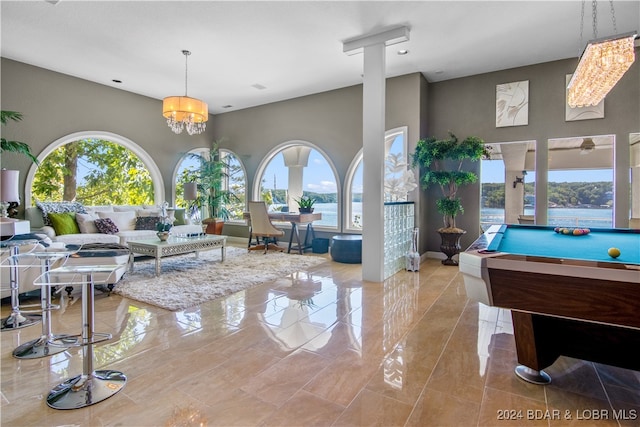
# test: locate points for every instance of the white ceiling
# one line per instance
(291, 48)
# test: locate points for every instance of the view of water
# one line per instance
(566, 217)
(557, 217)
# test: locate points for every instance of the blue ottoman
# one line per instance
(347, 248)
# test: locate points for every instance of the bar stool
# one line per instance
(91, 386)
(41, 347)
(18, 318)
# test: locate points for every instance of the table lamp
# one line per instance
(191, 194)
(9, 191)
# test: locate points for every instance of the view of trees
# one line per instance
(561, 194)
(93, 172)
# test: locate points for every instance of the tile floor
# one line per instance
(412, 351)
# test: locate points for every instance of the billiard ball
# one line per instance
(577, 231)
(614, 252)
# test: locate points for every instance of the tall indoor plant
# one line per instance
(441, 162)
(211, 180)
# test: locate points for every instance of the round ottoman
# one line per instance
(347, 248)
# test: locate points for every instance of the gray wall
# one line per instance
(466, 106)
(55, 105)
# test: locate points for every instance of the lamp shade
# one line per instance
(190, 191)
(9, 191)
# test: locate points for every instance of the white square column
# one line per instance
(373, 130)
(373, 127)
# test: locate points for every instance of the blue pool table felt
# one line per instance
(544, 242)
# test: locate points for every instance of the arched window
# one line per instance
(78, 166)
(235, 180)
(395, 145)
(295, 169)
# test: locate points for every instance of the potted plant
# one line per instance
(163, 226)
(441, 162)
(305, 204)
(211, 178)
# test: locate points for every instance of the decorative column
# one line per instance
(373, 130)
(296, 159)
(513, 156)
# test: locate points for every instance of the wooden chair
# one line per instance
(261, 226)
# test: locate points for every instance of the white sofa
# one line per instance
(124, 217)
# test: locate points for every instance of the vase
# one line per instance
(163, 235)
(450, 245)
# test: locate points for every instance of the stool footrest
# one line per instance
(78, 341)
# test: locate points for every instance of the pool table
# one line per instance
(567, 296)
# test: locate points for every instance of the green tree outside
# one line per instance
(114, 175)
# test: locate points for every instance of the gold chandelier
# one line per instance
(602, 64)
(184, 111)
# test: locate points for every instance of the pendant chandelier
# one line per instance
(185, 112)
(602, 64)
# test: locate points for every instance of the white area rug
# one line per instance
(186, 281)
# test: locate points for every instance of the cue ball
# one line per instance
(614, 252)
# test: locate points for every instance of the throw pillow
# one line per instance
(180, 219)
(148, 212)
(58, 207)
(86, 223)
(125, 221)
(106, 226)
(147, 222)
(64, 223)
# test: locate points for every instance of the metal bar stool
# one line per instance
(18, 318)
(41, 347)
(91, 386)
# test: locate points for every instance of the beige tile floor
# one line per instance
(411, 351)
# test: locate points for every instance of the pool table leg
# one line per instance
(533, 355)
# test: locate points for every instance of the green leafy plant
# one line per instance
(211, 179)
(305, 202)
(163, 226)
(440, 162)
(14, 146)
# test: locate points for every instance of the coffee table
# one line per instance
(177, 246)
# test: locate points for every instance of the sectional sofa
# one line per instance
(131, 222)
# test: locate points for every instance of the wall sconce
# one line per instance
(519, 179)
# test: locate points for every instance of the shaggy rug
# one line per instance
(186, 281)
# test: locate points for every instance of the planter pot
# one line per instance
(450, 245)
(214, 226)
(163, 235)
(305, 210)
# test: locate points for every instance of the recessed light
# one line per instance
(116, 81)
(259, 86)
(439, 72)
(403, 52)
(227, 106)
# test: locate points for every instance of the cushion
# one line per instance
(122, 220)
(106, 226)
(64, 223)
(86, 223)
(148, 212)
(125, 208)
(58, 207)
(147, 222)
(180, 219)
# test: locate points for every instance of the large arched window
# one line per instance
(295, 169)
(396, 172)
(77, 166)
(235, 180)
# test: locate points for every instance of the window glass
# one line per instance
(580, 191)
(93, 172)
(295, 170)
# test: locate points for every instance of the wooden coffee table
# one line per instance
(177, 246)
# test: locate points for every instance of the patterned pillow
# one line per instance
(146, 222)
(106, 226)
(58, 207)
